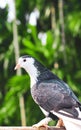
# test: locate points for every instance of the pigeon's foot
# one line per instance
(60, 123)
(40, 127)
(43, 123)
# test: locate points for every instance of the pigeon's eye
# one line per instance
(24, 60)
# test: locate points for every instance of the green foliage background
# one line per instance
(50, 54)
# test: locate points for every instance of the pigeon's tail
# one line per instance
(79, 105)
(69, 121)
(70, 125)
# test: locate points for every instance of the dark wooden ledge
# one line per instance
(30, 128)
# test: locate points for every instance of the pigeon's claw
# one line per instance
(60, 123)
(40, 127)
(43, 123)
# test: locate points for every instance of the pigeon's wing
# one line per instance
(53, 96)
(66, 88)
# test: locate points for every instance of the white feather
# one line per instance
(44, 111)
(71, 126)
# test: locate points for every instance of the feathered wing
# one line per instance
(54, 97)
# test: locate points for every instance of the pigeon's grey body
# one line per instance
(54, 97)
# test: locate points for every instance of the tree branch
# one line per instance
(61, 19)
(18, 72)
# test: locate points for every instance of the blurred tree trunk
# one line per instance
(53, 20)
(61, 19)
(18, 72)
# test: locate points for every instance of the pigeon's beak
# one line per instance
(17, 67)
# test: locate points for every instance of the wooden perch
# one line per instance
(31, 128)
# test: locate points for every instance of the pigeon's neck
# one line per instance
(38, 73)
(44, 73)
(39, 76)
(33, 73)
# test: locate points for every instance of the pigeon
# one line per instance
(54, 97)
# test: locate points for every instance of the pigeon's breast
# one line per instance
(35, 93)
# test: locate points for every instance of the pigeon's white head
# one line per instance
(34, 68)
(28, 63)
